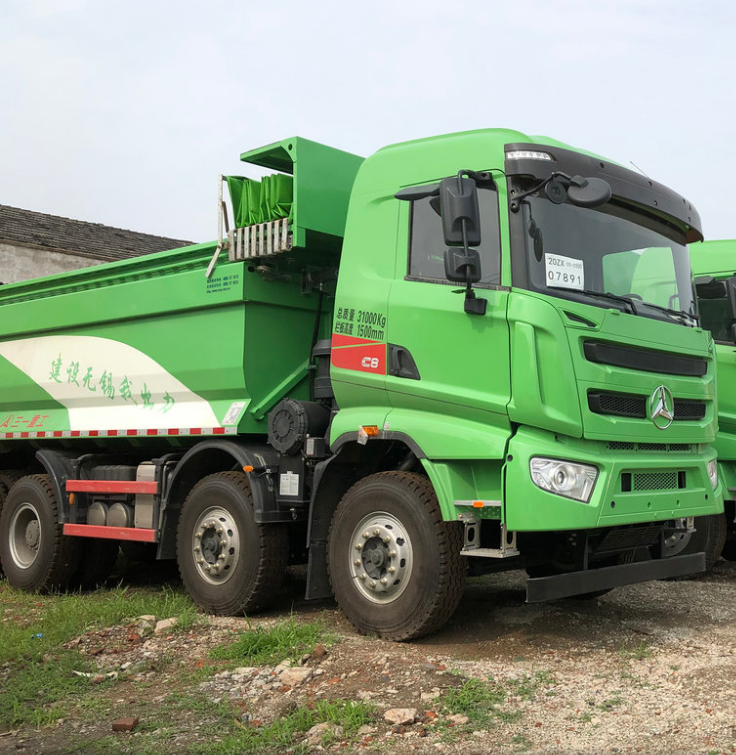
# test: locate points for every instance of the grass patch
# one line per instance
(288, 640)
(287, 730)
(37, 685)
(475, 699)
(527, 685)
(638, 652)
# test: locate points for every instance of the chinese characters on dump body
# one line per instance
(107, 385)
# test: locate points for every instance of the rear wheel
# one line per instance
(33, 549)
(7, 480)
(394, 564)
(229, 563)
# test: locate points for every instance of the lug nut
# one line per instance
(376, 532)
(198, 535)
(392, 554)
(372, 584)
(207, 567)
(366, 534)
(357, 562)
(361, 576)
(387, 539)
(358, 547)
(221, 557)
(200, 560)
(223, 543)
(219, 530)
(197, 549)
(384, 581)
(391, 569)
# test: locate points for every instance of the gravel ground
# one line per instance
(644, 669)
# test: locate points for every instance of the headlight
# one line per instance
(713, 473)
(564, 477)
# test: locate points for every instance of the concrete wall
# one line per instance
(19, 263)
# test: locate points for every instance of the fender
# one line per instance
(218, 455)
(58, 466)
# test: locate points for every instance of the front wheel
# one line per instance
(228, 562)
(394, 564)
(34, 552)
(709, 536)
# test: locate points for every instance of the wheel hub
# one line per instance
(25, 536)
(215, 545)
(381, 557)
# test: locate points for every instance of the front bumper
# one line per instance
(541, 589)
(529, 508)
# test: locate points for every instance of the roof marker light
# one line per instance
(525, 154)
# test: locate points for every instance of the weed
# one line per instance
(521, 741)
(288, 640)
(638, 652)
(527, 685)
(284, 732)
(476, 700)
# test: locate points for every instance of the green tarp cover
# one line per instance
(253, 201)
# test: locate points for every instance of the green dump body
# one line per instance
(152, 347)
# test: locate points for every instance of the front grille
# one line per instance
(640, 481)
(635, 406)
(621, 445)
(663, 362)
(655, 480)
(618, 404)
(687, 409)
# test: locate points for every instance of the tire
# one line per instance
(423, 551)
(97, 560)
(243, 575)
(709, 536)
(34, 552)
(7, 480)
(729, 550)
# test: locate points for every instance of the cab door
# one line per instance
(443, 362)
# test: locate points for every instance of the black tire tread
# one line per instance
(7, 480)
(449, 544)
(65, 550)
(273, 555)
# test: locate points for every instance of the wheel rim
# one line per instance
(677, 541)
(381, 559)
(216, 545)
(25, 536)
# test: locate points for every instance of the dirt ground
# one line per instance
(646, 669)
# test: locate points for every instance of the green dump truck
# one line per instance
(714, 265)
(464, 353)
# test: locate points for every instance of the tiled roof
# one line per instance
(78, 237)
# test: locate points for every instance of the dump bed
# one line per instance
(155, 346)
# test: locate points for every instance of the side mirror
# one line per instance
(458, 208)
(731, 293)
(707, 287)
(461, 267)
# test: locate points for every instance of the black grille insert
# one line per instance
(635, 406)
(661, 362)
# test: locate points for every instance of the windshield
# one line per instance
(612, 256)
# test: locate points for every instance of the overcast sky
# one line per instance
(125, 113)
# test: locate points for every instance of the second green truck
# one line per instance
(477, 349)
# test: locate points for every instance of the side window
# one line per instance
(715, 316)
(427, 244)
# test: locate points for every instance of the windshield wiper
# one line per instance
(601, 295)
(675, 313)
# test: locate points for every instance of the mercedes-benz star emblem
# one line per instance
(662, 407)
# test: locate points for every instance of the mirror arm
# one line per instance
(515, 202)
